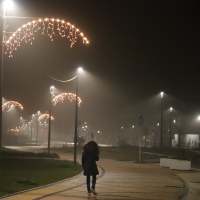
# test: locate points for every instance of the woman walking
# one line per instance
(89, 157)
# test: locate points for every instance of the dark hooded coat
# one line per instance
(89, 158)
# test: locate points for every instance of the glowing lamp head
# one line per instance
(198, 117)
(8, 5)
(52, 88)
(80, 70)
(161, 94)
(171, 109)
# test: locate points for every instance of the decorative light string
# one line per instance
(62, 81)
(7, 106)
(45, 26)
(14, 130)
(18, 131)
(44, 117)
(70, 96)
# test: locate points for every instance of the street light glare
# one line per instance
(198, 118)
(161, 94)
(80, 69)
(8, 5)
(52, 87)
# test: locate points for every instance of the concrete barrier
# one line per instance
(181, 164)
(165, 162)
(175, 164)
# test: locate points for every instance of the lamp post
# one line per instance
(50, 109)
(3, 24)
(161, 120)
(37, 126)
(170, 128)
(156, 134)
(133, 134)
(33, 115)
(6, 4)
(29, 130)
(99, 136)
(76, 116)
(140, 140)
(85, 132)
(198, 119)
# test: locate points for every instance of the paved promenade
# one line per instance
(122, 181)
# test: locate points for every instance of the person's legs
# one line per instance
(88, 183)
(94, 178)
(93, 184)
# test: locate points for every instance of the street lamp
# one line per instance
(85, 131)
(140, 141)
(79, 70)
(161, 120)
(98, 136)
(170, 129)
(38, 113)
(198, 119)
(133, 135)
(6, 4)
(50, 109)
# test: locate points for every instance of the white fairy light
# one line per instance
(7, 106)
(44, 117)
(70, 96)
(44, 26)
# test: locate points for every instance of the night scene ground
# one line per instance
(122, 73)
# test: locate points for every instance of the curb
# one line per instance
(51, 184)
(186, 186)
(43, 186)
(76, 186)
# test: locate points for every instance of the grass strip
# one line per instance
(18, 174)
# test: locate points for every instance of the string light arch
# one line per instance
(44, 117)
(50, 27)
(7, 106)
(70, 96)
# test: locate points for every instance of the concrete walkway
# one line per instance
(122, 181)
(192, 181)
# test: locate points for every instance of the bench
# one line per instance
(175, 164)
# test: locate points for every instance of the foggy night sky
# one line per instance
(137, 49)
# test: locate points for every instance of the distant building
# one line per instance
(187, 140)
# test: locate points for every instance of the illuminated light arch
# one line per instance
(70, 96)
(44, 117)
(7, 106)
(14, 130)
(44, 26)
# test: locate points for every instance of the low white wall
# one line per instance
(165, 162)
(175, 164)
(181, 165)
